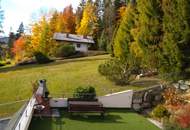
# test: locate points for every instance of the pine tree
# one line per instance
(150, 32)
(176, 39)
(109, 24)
(1, 19)
(20, 30)
(123, 37)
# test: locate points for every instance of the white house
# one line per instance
(81, 43)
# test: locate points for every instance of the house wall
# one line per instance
(83, 47)
(115, 100)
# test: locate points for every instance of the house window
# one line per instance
(78, 45)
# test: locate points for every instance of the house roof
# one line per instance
(4, 40)
(73, 38)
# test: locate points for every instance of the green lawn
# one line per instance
(114, 120)
(62, 78)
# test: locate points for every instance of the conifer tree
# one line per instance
(149, 33)
(123, 37)
(176, 39)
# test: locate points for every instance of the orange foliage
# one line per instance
(69, 19)
(19, 49)
(121, 12)
(183, 116)
(172, 97)
(65, 21)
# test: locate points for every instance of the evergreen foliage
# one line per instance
(65, 50)
(174, 55)
(123, 36)
(118, 70)
(85, 93)
(41, 58)
(150, 32)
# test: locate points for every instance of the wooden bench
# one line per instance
(77, 105)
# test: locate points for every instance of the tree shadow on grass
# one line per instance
(145, 83)
(24, 67)
(59, 124)
(46, 124)
(108, 118)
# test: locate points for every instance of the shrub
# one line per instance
(117, 70)
(26, 62)
(85, 93)
(41, 58)
(171, 125)
(2, 64)
(182, 116)
(65, 50)
(172, 97)
(160, 111)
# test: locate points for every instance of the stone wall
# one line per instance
(147, 98)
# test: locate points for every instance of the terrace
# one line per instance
(56, 115)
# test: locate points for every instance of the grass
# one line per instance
(62, 78)
(114, 120)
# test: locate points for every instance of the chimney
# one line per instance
(67, 35)
(84, 36)
(42, 84)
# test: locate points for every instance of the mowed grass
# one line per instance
(113, 120)
(62, 78)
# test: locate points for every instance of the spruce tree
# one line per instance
(150, 32)
(123, 37)
(176, 27)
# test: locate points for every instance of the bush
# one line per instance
(171, 125)
(85, 93)
(65, 50)
(117, 70)
(160, 111)
(3, 63)
(41, 58)
(182, 116)
(26, 62)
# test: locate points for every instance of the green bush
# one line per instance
(116, 70)
(3, 63)
(170, 124)
(41, 58)
(85, 93)
(65, 50)
(160, 111)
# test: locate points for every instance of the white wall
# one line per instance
(26, 116)
(83, 47)
(117, 100)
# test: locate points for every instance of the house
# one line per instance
(4, 42)
(81, 43)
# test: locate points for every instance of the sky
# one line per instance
(17, 11)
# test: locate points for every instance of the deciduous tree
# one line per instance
(19, 49)
(89, 20)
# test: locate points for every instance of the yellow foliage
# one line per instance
(136, 50)
(88, 21)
